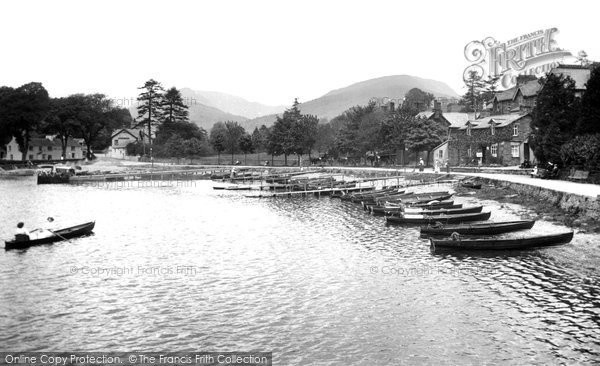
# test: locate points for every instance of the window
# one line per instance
(30, 157)
(116, 142)
(440, 154)
(30, 148)
(72, 148)
(49, 157)
(469, 151)
(468, 130)
(49, 148)
(43, 156)
(72, 155)
(9, 148)
(515, 130)
(514, 149)
(39, 148)
(494, 150)
(492, 129)
(11, 157)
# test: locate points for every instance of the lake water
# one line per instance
(316, 281)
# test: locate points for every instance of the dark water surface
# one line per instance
(315, 281)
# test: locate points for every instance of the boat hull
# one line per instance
(479, 228)
(444, 219)
(501, 244)
(67, 233)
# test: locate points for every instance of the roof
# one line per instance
(456, 119)
(581, 74)
(426, 114)
(131, 131)
(42, 141)
(507, 94)
(499, 121)
(530, 88)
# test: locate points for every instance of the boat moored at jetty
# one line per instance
(487, 228)
(458, 243)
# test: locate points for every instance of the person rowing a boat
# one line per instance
(21, 234)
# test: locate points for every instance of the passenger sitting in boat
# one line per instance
(455, 236)
(21, 234)
(45, 232)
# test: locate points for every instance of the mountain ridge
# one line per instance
(336, 101)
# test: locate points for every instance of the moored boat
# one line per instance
(444, 219)
(502, 243)
(59, 235)
(486, 228)
(421, 211)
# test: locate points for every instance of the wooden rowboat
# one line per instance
(421, 211)
(444, 219)
(487, 228)
(501, 244)
(62, 234)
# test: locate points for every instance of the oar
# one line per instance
(57, 234)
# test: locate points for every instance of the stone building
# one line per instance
(44, 148)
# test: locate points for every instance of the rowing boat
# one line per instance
(444, 219)
(487, 228)
(421, 211)
(502, 244)
(62, 234)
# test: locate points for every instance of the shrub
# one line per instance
(582, 151)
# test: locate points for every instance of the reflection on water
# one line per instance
(183, 267)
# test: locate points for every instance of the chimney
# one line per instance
(437, 106)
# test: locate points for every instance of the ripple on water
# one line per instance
(313, 280)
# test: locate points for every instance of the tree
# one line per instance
(96, 113)
(424, 134)
(417, 100)
(23, 109)
(282, 139)
(325, 138)
(62, 120)
(173, 108)
(582, 57)
(246, 145)
(150, 104)
(217, 139)
(304, 133)
(554, 114)
(233, 134)
(589, 121)
(474, 97)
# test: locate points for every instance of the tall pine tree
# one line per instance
(150, 104)
(173, 108)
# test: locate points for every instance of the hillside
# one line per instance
(230, 103)
(205, 116)
(337, 101)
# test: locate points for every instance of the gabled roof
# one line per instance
(530, 88)
(131, 131)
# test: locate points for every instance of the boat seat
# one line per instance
(21, 237)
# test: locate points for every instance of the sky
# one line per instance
(264, 51)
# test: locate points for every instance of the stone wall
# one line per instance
(584, 206)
